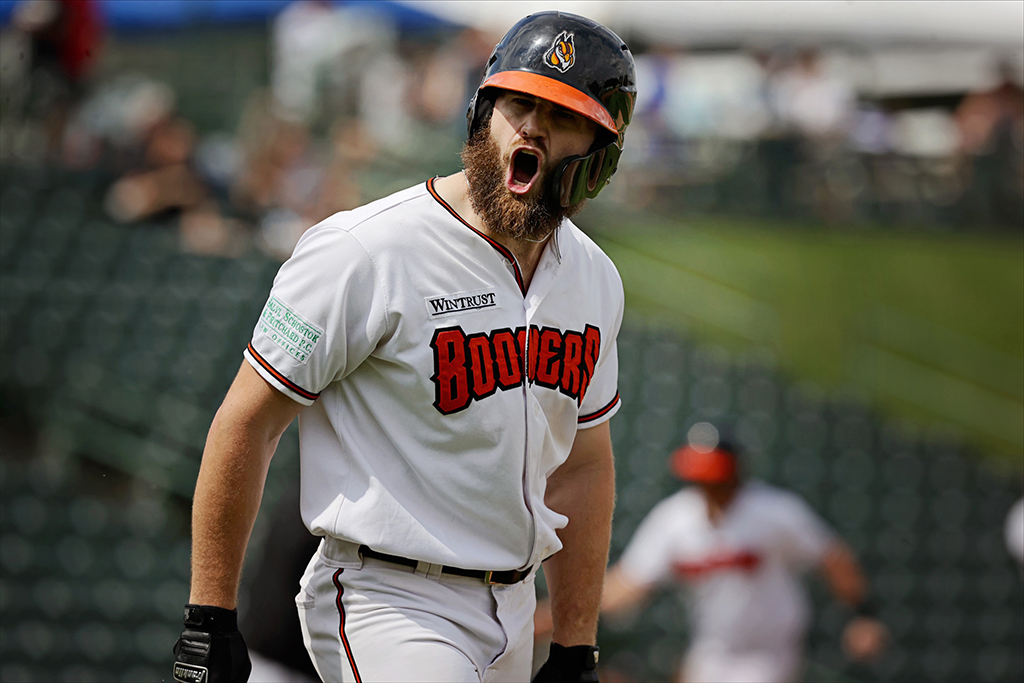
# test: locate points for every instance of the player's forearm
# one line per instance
(620, 592)
(844, 575)
(575, 575)
(227, 499)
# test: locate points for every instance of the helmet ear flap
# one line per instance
(578, 178)
(594, 169)
(481, 107)
(565, 178)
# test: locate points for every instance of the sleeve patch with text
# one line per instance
(296, 337)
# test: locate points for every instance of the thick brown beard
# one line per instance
(504, 213)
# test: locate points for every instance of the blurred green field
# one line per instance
(929, 326)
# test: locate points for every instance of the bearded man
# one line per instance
(450, 354)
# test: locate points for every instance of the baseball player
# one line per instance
(450, 353)
(1013, 529)
(739, 548)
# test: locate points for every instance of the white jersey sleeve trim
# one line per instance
(602, 415)
(277, 380)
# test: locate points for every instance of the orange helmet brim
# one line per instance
(704, 467)
(553, 91)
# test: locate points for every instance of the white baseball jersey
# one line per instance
(1014, 530)
(441, 394)
(742, 575)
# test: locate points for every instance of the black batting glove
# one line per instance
(576, 664)
(210, 649)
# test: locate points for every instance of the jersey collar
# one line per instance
(498, 246)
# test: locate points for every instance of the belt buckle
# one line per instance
(487, 578)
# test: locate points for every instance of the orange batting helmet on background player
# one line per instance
(705, 459)
(575, 63)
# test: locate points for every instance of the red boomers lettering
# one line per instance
(470, 367)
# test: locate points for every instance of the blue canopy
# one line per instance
(128, 15)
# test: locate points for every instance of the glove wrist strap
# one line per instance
(581, 657)
(211, 619)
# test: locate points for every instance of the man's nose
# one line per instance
(535, 125)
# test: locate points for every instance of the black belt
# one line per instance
(507, 577)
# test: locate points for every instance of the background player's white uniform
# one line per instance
(748, 609)
(432, 439)
(1014, 531)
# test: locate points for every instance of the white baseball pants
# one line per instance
(381, 622)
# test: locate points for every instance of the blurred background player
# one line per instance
(739, 547)
(1015, 533)
(269, 621)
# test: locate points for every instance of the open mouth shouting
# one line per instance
(523, 170)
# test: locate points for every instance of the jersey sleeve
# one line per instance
(325, 314)
(601, 399)
(803, 536)
(647, 558)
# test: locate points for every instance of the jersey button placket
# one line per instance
(528, 433)
(534, 431)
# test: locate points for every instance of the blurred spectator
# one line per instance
(308, 37)
(871, 131)
(700, 113)
(134, 120)
(300, 142)
(729, 87)
(991, 125)
(164, 179)
(778, 150)
(130, 127)
(64, 37)
(327, 66)
(927, 132)
(321, 52)
(652, 75)
(739, 548)
(274, 161)
(113, 123)
(445, 76)
(651, 153)
(1015, 533)
(988, 117)
(286, 182)
(817, 104)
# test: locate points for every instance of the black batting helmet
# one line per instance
(575, 63)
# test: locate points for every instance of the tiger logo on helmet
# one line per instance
(562, 54)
